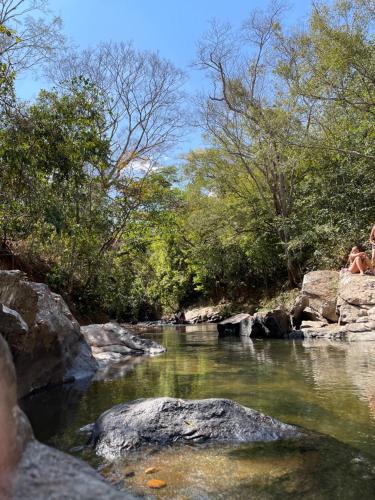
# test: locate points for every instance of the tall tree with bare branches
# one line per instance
(243, 116)
(143, 100)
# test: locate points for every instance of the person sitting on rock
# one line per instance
(358, 261)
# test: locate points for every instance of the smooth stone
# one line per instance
(156, 483)
(164, 421)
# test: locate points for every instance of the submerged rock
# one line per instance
(110, 343)
(43, 336)
(156, 484)
(164, 421)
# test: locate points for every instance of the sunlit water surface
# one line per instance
(323, 386)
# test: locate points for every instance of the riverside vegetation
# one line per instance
(88, 209)
(283, 185)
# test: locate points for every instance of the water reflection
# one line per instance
(327, 387)
(349, 367)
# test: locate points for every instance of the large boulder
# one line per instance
(11, 446)
(43, 336)
(356, 298)
(164, 421)
(209, 314)
(29, 469)
(48, 474)
(320, 290)
(273, 324)
(110, 343)
(238, 325)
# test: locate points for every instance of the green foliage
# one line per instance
(285, 184)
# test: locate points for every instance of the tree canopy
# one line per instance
(284, 183)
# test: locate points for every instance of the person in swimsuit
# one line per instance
(372, 241)
(358, 261)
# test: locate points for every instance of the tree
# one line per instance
(245, 119)
(330, 69)
(143, 103)
(36, 40)
(49, 194)
(6, 75)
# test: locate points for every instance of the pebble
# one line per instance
(156, 483)
(150, 470)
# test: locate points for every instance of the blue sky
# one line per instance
(170, 27)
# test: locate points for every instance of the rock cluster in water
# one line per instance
(110, 342)
(273, 324)
(164, 421)
(29, 469)
(331, 305)
(48, 345)
(45, 339)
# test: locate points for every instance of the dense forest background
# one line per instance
(284, 184)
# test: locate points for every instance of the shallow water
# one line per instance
(324, 386)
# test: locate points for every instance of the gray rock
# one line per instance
(10, 444)
(84, 364)
(352, 332)
(47, 474)
(47, 351)
(273, 324)
(309, 314)
(299, 306)
(11, 324)
(164, 421)
(237, 325)
(111, 339)
(356, 297)
(29, 469)
(320, 288)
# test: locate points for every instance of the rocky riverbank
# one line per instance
(29, 469)
(332, 305)
(48, 345)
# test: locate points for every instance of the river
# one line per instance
(327, 387)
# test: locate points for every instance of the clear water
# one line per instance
(323, 386)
